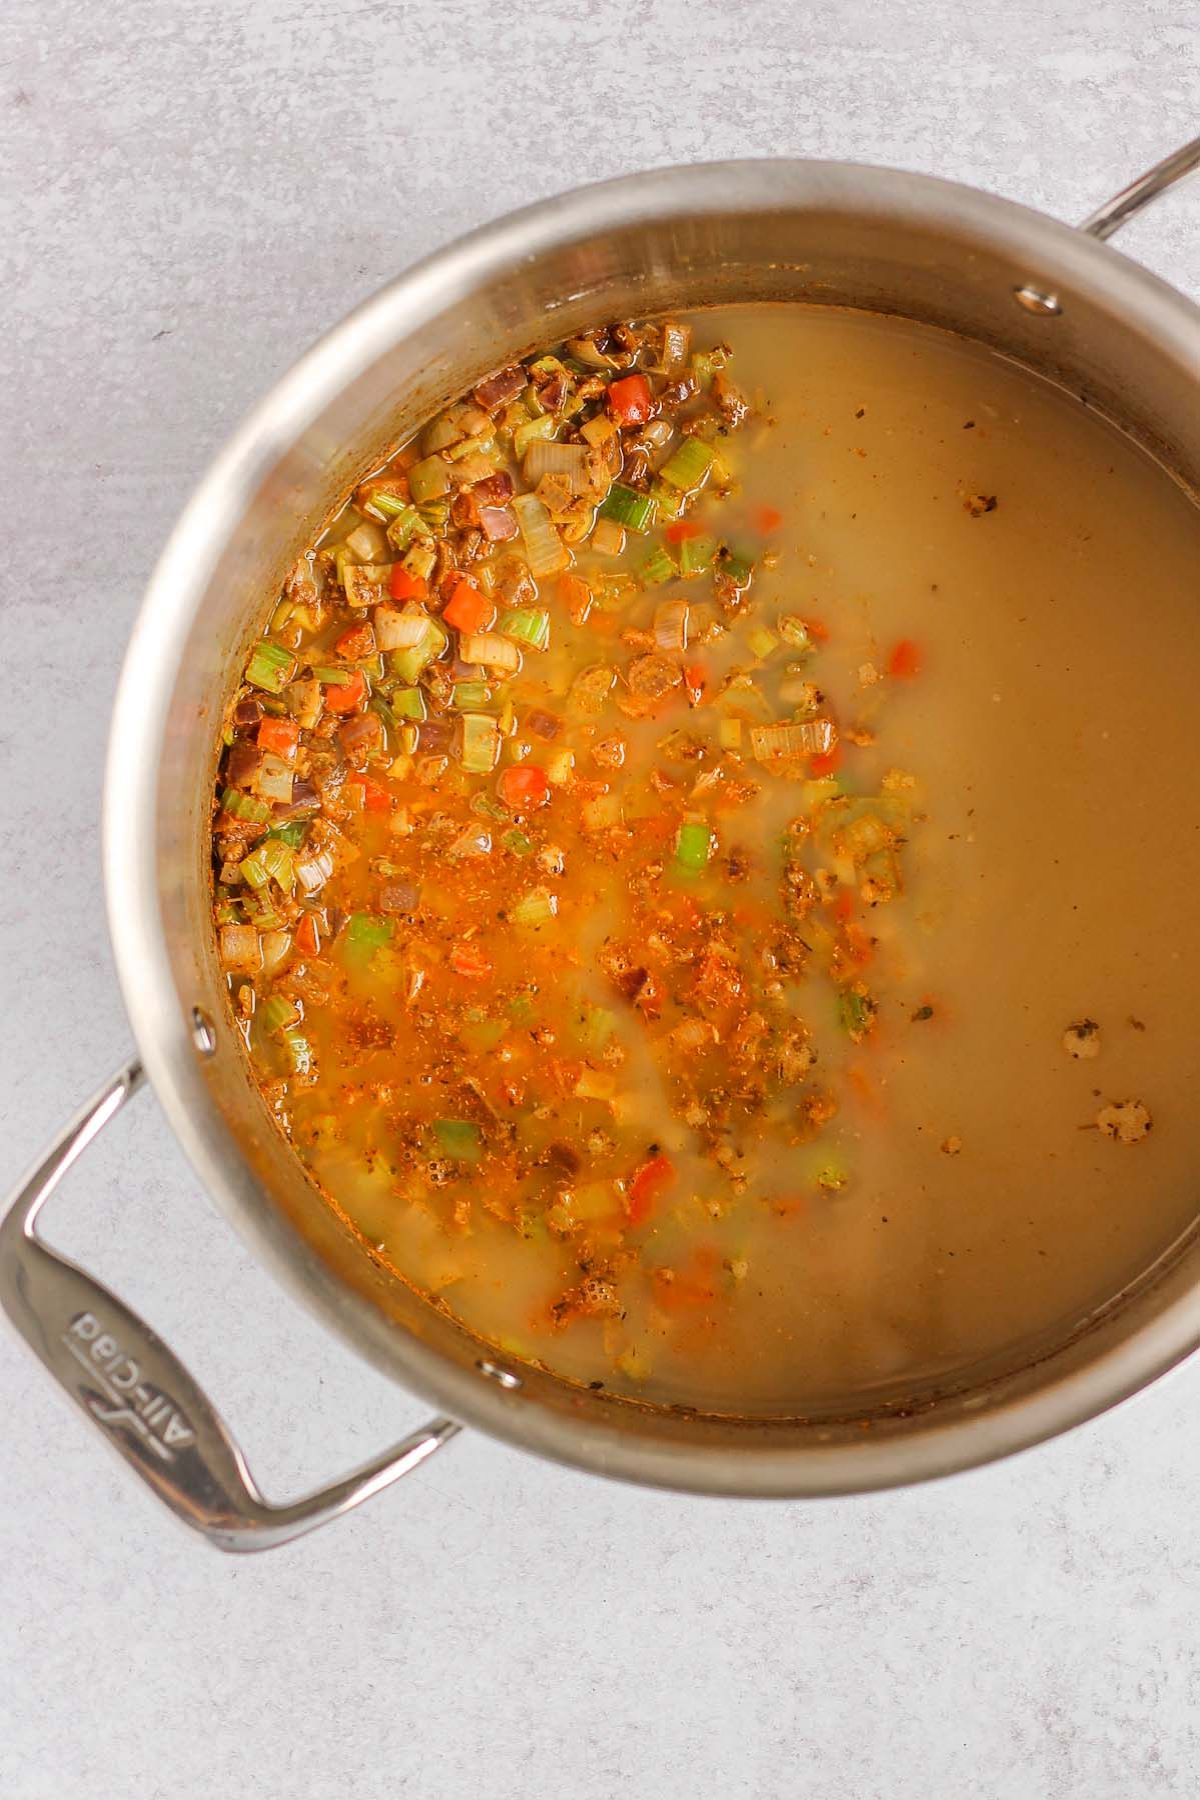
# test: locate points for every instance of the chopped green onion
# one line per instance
(537, 908)
(244, 806)
(528, 625)
(517, 842)
(460, 1138)
(480, 743)
(688, 464)
(365, 934)
(624, 506)
(696, 554)
(277, 1013)
(693, 846)
(659, 566)
(469, 696)
(270, 667)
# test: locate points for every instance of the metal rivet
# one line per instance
(503, 1377)
(204, 1032)
(1036, 300)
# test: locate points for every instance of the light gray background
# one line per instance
(191, 193)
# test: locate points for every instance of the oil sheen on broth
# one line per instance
(998, 593)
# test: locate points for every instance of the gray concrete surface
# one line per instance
(190, 193)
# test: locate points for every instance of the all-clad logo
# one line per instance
(126, 1402)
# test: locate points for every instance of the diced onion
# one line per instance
(671, 625)
(491, 650)
(397, 629)
(545, 458)
(772, 743)
(544, 548)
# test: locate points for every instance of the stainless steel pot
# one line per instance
(1053, 297)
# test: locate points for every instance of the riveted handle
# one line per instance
(136, 1391)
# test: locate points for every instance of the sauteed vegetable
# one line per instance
(563, 853)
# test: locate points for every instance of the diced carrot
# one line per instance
(827, 763)
(307, 938)
(817, 631)
(344, 696)
(358, 641)
(630, 401)
(280, 736)
(695, 680)
(767, 519)
(468, 609)
(648, 1181)
(679, 530)
(522, 787)
(375, 798)
(859, 944)
(843, 906)
(404, 586)
(576, 596)
(904, 661)
(468, 959)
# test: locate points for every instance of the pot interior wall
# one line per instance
(683, 239)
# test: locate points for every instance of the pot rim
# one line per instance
(1051, 251)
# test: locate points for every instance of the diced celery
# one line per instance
(270, 667)
(408, 664)
(527, 625)
(596, 1026)
(291, 831)
(536, 908)
(405, 527)
(277, 1013)
(668, 500)
(693, 846)
(856, 1012)
(762, 642)
(470, 696)
(365, 934)
(624, 506)
(659, 566)
(517, 842)
(480, 743)
(459, 1138)
(737, 565)
(688, 464)
(408, 703)
(244, 806)
(696, 554)
(521, 1008)
(530, 432)
(729, 732)
(384, 505)
(429, 479)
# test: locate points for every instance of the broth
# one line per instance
(718, 1135)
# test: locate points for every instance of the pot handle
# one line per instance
(1118, 211)
(138, 1393)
